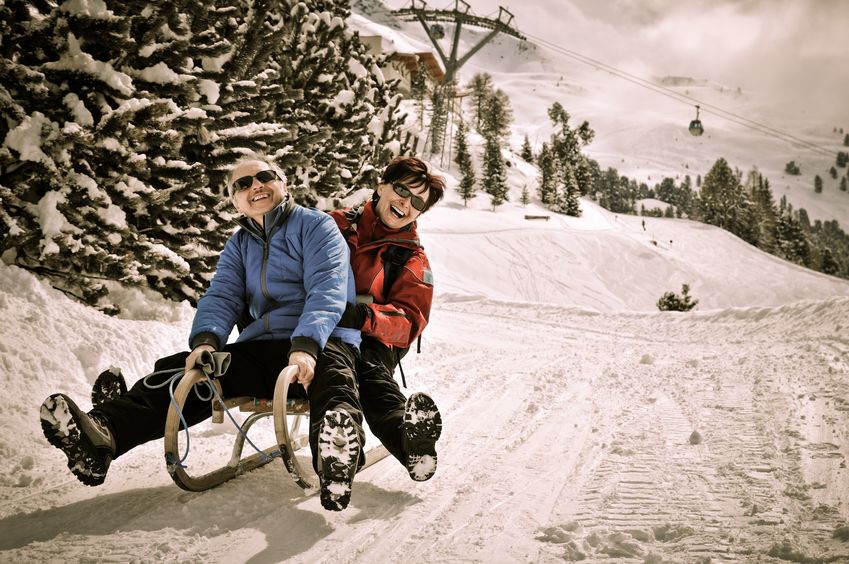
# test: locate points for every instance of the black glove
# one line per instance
(354, 316)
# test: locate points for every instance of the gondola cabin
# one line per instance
(696, 128)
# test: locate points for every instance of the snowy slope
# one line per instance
(568, 406)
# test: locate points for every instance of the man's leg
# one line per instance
(336, 433)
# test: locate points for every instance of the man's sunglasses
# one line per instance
(404, 192)
(246, 182)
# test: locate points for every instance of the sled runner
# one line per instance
(289, 436)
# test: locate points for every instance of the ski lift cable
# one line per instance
(740, 120)
(684, 98)
(688, 99)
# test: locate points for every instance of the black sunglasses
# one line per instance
(404, 192)
(246, 182)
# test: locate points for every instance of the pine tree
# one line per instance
(575, 177)
(670, 301)
(494, 177)
(497, 116)
(833, 172)
(526, 196)
(481, 87)
(722, 197)
(527, 152)
(818, 184)
(846, 140)
(843, 184)
(842, 159)
(792, 169)
(547, 165)
(155, 101)
(464, 161)
(764, 211)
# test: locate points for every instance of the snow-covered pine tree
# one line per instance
(527, 152)
(122, 117)
(721, 196)
(346, 119)
(566, 144)
(764, 211)
(497, 116)
(566, 196)
(547, 165)
(463, 159)
(441, 97)
(494, 176)
(791, 241)
(91, 155)
(481, 87)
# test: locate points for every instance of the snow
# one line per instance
(568, 400)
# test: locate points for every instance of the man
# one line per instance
(395, 287)
(289, 266)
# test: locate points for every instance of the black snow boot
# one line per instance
(422, 427)
(108, 386)
(339, 455)
(85, 439)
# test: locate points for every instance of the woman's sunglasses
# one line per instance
(404, 192)
(246, 182)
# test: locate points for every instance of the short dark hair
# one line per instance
(415, 173)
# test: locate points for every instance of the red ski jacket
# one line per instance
(398, 318)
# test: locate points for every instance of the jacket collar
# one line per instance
(272, 220)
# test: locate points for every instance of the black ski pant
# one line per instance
(139, 415)
(381, 397)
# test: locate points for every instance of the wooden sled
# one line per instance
(289, 439)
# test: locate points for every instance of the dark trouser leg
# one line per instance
(334, 387)
(383, 402)
(139, 415)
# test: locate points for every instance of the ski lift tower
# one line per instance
(419, 11)
(432, 21)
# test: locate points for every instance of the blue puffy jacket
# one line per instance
(294, 275)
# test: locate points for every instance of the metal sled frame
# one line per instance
(289, 440)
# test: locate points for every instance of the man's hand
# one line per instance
(194, 356)
(306, 367)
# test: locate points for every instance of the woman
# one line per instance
(394, 290)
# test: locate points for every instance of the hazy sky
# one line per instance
(783, 47)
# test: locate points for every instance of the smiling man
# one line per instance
(394, 294)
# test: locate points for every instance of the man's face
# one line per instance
(396, 210)
(257, 198)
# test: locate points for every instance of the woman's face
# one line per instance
(397, 211)
(258, 198)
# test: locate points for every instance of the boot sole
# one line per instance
(108, 386)
(61, 430)
(339, 454)
(422, 428)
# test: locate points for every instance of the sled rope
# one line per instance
(177, 373)
(265, 456)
